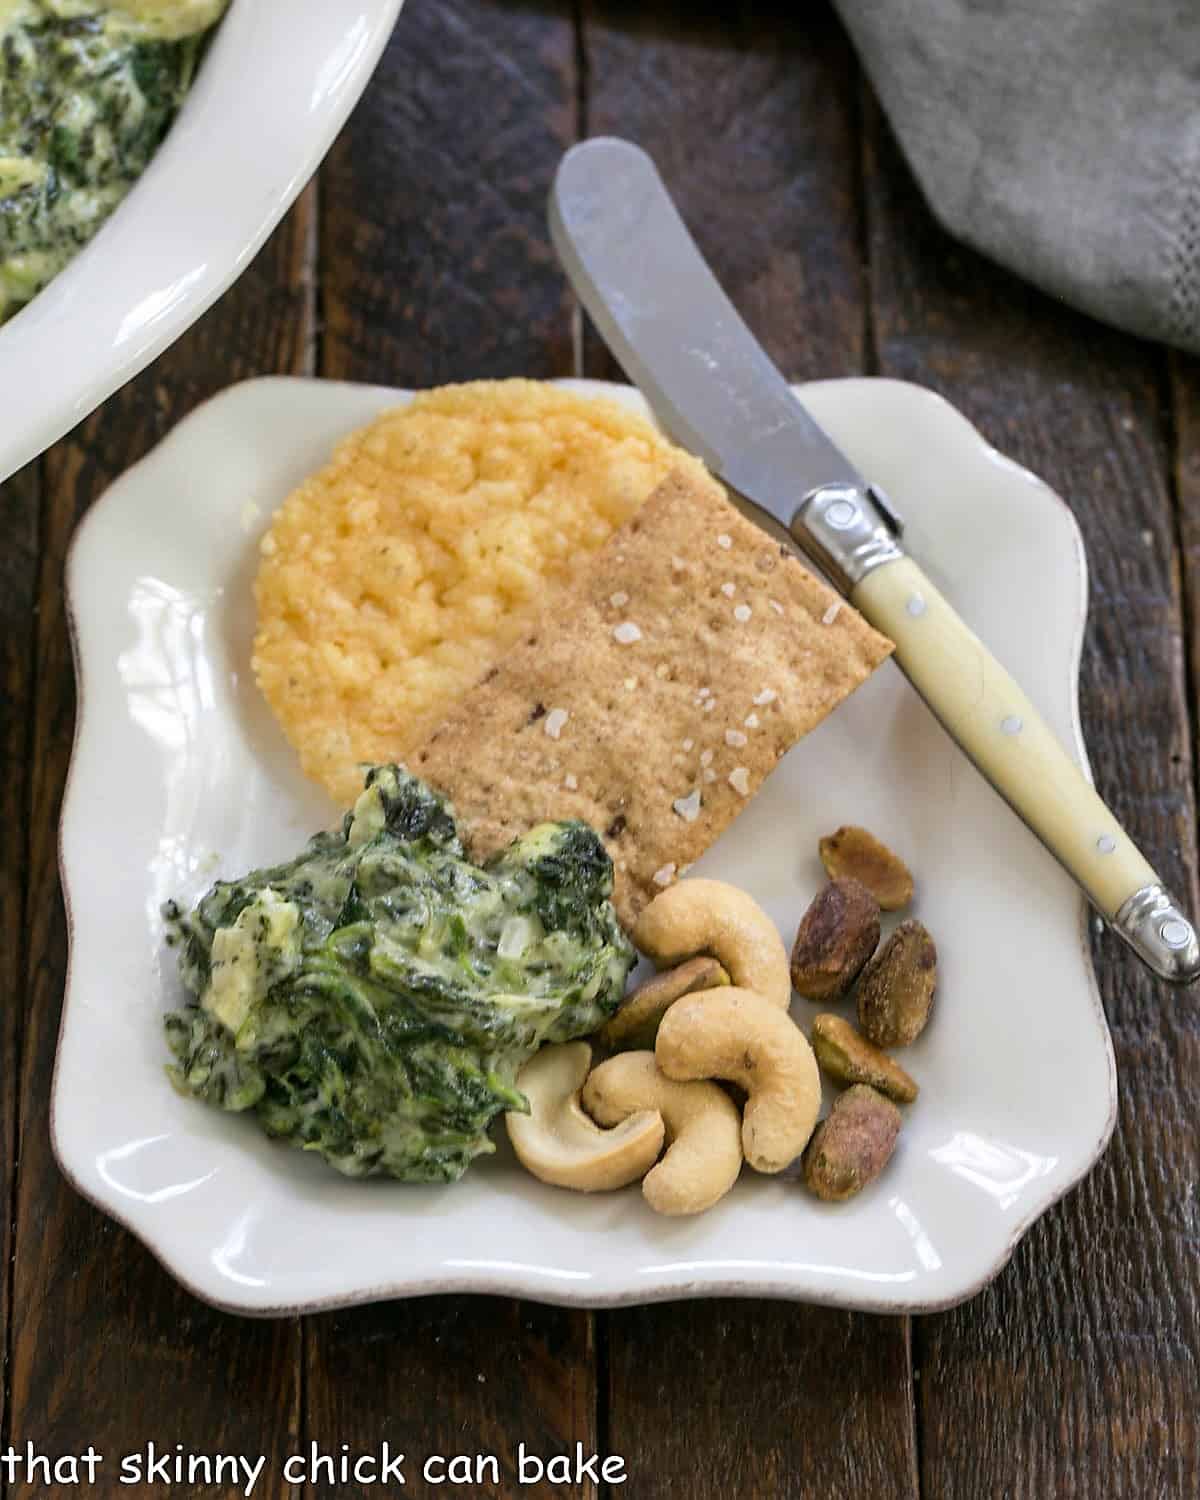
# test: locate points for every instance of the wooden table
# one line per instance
(420, 255)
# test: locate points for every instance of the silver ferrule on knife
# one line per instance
(847, 531)
(654, 299)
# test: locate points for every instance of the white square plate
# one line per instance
(180, 775)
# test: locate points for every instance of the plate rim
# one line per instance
(535, 1283)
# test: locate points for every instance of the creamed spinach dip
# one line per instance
(373, 999)
(88, 89)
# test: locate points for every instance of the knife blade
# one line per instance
(656, 303)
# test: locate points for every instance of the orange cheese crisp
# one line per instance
(396, 575)
(653, 698)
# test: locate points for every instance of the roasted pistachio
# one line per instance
(855, 852)
(852, 1145)
(849, 1058)
(837, 935)
(896, 993)
(635, 1025)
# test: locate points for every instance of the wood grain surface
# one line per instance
(750, 113)
(1184, 374)
(418, 256)
(435, 262)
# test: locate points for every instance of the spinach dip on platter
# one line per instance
(88, 90)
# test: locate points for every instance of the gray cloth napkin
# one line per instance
(1059, 137)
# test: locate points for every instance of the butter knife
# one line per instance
(661, 311)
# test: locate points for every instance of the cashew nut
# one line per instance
(557, 1142)
(636, 1023)
(737, 1035)
(704, 1151)
(708, 916)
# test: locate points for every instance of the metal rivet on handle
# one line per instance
(1175, 934)
(1106, 843)
(1011, 725)
(841, 514)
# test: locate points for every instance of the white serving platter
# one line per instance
(276, 86)
(179, 775)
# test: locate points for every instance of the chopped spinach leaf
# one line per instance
(85, 101)
(373, 999)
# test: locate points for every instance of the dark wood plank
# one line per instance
(20, 499)
(1185, 403)
(106, 1348)
(1074, 1375)
(435, 266)
(763, 1400)
(750, 113)
(454, 1378)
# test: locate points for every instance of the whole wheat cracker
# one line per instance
(653, 696)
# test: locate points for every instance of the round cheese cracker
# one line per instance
(395, 577)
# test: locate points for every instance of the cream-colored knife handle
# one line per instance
(982, 707)
(998, 727)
